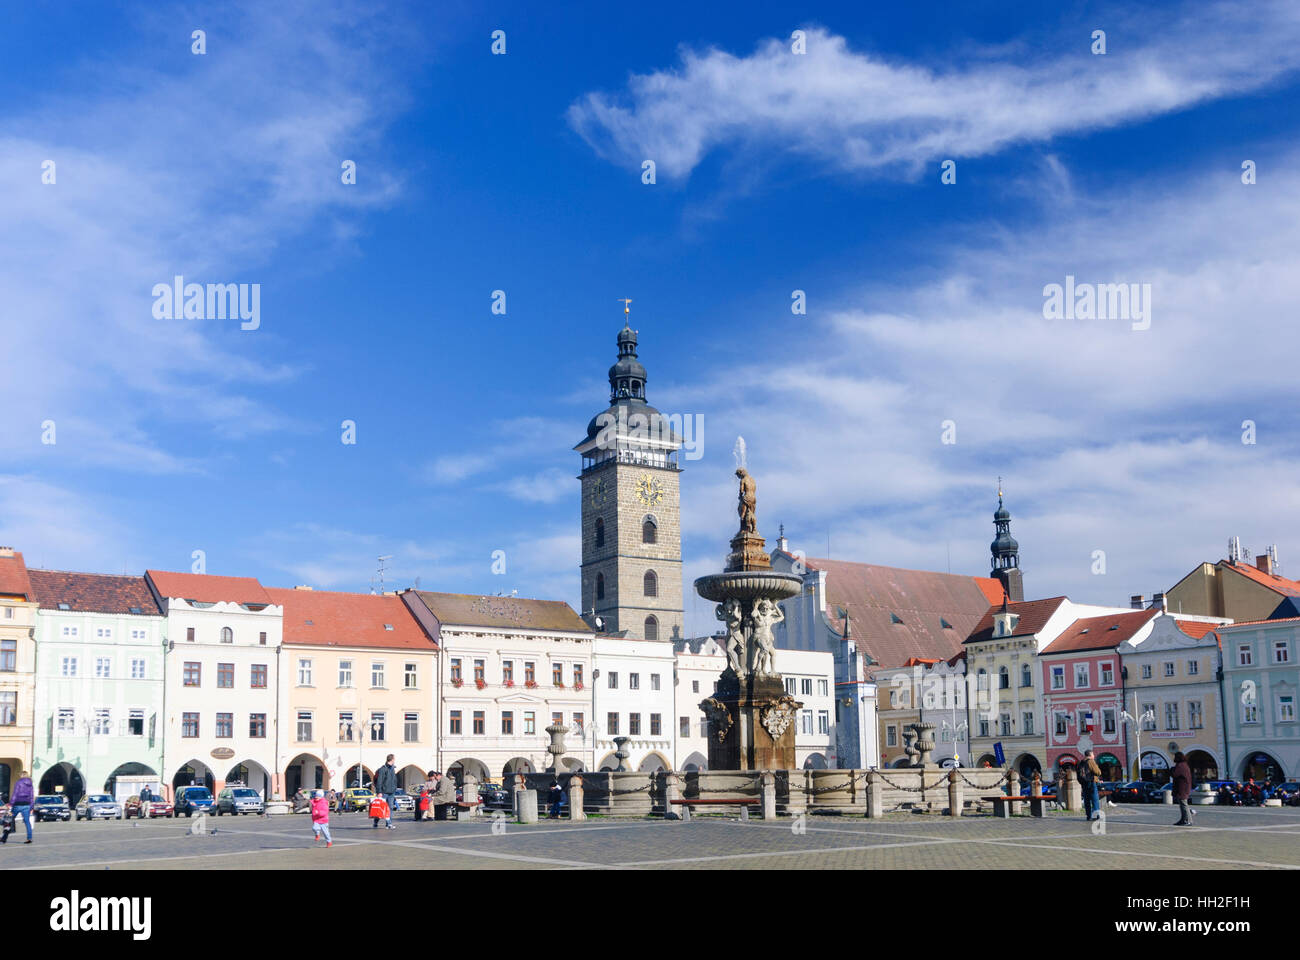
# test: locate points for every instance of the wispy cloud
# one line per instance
(853, 110)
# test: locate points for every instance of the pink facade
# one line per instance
(1076, 684)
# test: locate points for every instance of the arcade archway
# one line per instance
(251, 774)
(62, 778)
(1262, 768)
(193, 774)
(1204, 766)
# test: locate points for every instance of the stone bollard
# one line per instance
(526, 806)
(1073, 792)
(768, 781)
(1168, 797)
(1013, 783)
(1036, 785)
(875, 795)
(956, 799)
(575, 799)
(673, 791)
(469, 794)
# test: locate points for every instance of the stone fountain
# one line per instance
(751, 717)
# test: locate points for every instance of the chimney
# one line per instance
(6, 551)
(1264, 563)
(1158, 600)
(1137, 601)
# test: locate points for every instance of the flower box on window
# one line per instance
(510, 683)
(530, 684)
(577, 686)
(480, 683)
(559, 684)
(457, 682)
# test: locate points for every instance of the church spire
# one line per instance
(1006, 553)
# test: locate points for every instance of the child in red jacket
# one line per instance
(320, 817)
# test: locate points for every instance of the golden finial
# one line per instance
(625, 301)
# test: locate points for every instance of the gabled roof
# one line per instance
(1195, 628)
(895, 613)
(206, 588)
(325, 618)
(1034, 615)
(94, 592)
(13, 577)
(514, 613)
(1101, 633)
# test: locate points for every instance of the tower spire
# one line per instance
(1006, 553)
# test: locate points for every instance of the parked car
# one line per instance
(1135, 791)
(1107, 787)
(192, 800)
(357, 798)
(1158, 794)
(135, 807)
(51, 806)
(1282, 791)
(237, 800)
(403, 801)
(492, 795)
(98, 806)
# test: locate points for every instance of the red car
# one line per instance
(156, 808)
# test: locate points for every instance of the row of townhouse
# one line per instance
(1041, 681)
(109, 683)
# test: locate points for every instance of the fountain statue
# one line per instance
(751, 717)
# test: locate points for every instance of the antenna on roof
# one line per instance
(1272, 559)
(379, 574)
(1235, 553)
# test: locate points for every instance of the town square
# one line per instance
(497, 437)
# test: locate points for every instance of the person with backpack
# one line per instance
(20, 802)
(1089, 774)
(386, 787)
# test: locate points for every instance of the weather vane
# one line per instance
(625, 301)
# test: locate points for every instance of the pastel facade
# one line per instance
(509, 667)
(99, 692)
(360, 681)
(17, 668)
(1261, 690)
(222, 681)
(929, 691)
(631, 696)
(1173, 673)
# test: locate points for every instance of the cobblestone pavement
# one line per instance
(1136, 837)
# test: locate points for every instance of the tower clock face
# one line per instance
(598, 490)
(649, 490)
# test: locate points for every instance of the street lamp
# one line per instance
(1137, 722)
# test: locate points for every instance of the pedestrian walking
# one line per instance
(386, 787)
(444, 795)
(556, 797)
(1089, 774)
(21, 803)
(6, 822)
(1182, 778)
(320, 818)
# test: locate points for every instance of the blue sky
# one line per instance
(522, 173)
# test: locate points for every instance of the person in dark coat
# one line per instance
(556, 797)
(20, 802)
(444, 795)
(386, 787)
(1089, 773)
(1182, 779)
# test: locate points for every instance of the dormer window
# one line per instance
(894, 618)
(945, 624)
(65, 606)
(388, 626)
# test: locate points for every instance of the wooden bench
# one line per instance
(686, 805)
(1003, 805)
(460, 805)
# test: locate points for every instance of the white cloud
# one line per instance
(857, 111)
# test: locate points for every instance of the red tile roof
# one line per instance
(13, 577)
(1287, 588)
(207, 589)
(518, 613)
(921, 600)
(1034, 615)
(94, 592)
(324, 617)
(1195, 628)
(1100, 633)
(1249, 623)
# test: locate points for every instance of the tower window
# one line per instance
(651, 628)
(600, 532)
(651, 584)
(648, 531)
(636, 388)
(600, 586)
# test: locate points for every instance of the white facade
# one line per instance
(631, 696)
(809, 677)
(222, 677)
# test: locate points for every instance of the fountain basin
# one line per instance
(747, 585)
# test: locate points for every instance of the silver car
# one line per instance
(98, 806)
(237, 800)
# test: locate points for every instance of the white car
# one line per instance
(403, 801)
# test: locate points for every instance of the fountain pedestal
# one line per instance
(757, 732)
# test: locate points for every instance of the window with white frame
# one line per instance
(1193, 667)
(1194, 719)
(823, 721)
(806, 722)
(654, 681)
(104, 633)
(304, 672)
(70, 631)
(103, 668)
(1281, 651)
(377, 675)
(1169, 668)
(103, 723)
(891, 736)
(135, 722)
(137, 635)
(1245, 657)
(1026, 676)
(345, 673)
(1107, 674)
(823, 688)
(1149, 711)
(137, 669)
(346, 726)
(410, 676)
(66, 720)
(1059, 723)
(1108, 720)
(1285, 709)
(411, 727)
(1005, 721)
(1146, 671)
(1171, 716)
(1058, 678)
(68, 667)
(1081, 675)
(304, 726)
(1027, 723)
(984, 726)
(1249, 713)
(378, 726)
